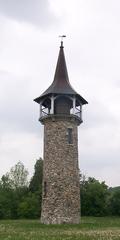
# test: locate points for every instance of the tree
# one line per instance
(6, 182)
(35, 186)
(6, 198)
(13, 187)
(29, 207)
(114, 203)
(36, 180)
(18, 176)
(93, 197)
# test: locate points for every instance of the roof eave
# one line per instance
(38, 100)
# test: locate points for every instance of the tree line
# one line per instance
(20, 198)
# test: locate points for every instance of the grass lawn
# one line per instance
(91, 228)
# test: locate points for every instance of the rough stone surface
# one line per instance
(61, 193)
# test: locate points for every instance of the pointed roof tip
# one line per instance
(61, 73)
(61, 84)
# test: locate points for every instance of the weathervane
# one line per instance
(62, 36)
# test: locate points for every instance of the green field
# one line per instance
(91, 228)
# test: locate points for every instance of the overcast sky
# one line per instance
(29, 46)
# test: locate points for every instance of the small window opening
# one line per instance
(45, 189)
(69, 134)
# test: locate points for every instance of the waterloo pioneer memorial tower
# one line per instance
(61, 114)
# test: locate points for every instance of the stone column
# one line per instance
(61, 192)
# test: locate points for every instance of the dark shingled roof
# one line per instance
(61, 84)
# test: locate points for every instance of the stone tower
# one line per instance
(61, 114)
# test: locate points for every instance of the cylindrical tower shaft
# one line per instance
(61, 194)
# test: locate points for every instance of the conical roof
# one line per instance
(61, 84)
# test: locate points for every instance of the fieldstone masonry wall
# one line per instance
(61, 193)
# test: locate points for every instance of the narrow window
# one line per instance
(69, 134)
(45, 189)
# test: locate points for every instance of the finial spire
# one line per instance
(62, 36)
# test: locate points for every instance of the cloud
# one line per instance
(99, 153)
(21, 135)
(99, 145)
(21, 146)
(28, 57)
(17, 108)
(97, 114)
(37, 12)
